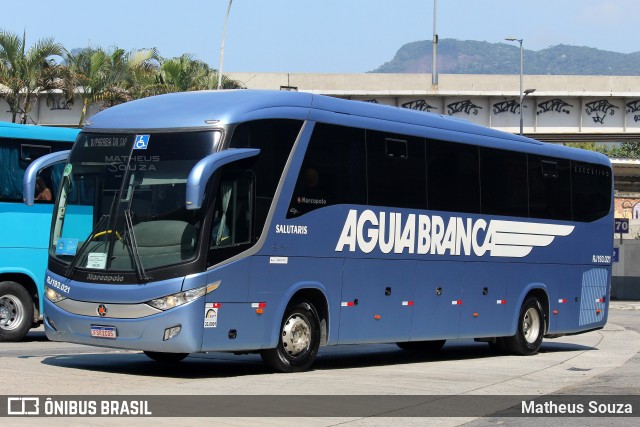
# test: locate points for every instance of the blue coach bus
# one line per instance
(277, 222)
(23, 239)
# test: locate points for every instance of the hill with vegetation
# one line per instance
(475, 57)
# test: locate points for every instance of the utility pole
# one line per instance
(434, 72)
(224, 32)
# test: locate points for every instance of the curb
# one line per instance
(624, 305)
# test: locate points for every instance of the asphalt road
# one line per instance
(603, 362)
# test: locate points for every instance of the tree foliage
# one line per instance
(94, 75)
(625, 150)
(26, 72)
(184, 73)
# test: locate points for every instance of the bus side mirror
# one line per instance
(31, 174)
(204, 170)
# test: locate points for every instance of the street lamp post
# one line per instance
(434, 72)
(522, 95)
(224, 32)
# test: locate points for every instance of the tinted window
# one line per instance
(15, 156)
(591, 185)
(396, 170)
(275, 139)
(453, 177)
(231, 226)
(503, 181)
(549, 188)
(459, 177)
(333, 170)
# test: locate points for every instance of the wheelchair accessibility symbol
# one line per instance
(141, 142)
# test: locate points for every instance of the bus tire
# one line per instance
(422, 346)
(16, 311)
(165, 357)
(499, 346)
(299, 340)
(530, 329)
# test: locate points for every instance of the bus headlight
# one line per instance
(176, 300)
(53, 295)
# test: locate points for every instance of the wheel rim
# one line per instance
(11, 312)
(296, 335)
(531, 325)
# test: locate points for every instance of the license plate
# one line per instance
(103, 331)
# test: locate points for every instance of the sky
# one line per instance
(318, 36)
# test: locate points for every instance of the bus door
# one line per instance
(231, 321)
(376, 303)
(437, 302)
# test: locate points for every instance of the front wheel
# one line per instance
(531, 328)
(299, 340)
(166, 357)
(16, 311)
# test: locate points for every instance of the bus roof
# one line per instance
(47, 133)
(208, 109)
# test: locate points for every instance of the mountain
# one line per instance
(475, 57)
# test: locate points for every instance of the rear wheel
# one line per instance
(299, 340)
(16, 311)
(166, 357)
(422, 346)
(530, 331)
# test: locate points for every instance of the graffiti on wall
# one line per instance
(627, 208)
(556, 105)
(634, 107)
(420, 105)
(512, 106)
(599, 109)
(465, 107)
(58, 103)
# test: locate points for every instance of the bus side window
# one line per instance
(232, 211)
(43, 191)
(30, 152)
(396, 170)
(591, 191)
(549, 188)
(48, 182)
(503, 182)
(333, 170)
(15, 157)
(453, 177)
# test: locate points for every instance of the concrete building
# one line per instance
(562, 108)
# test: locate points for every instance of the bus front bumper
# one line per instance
(148, 333)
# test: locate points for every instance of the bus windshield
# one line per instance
(136, 185)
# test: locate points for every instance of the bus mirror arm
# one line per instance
(204, 170)
(31, 174)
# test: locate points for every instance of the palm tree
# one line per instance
(143, 66)
(95, 75)
(26, 73)
(184, 73)
(85, 76)
(130, 74)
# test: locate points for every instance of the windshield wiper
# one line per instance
(133, 247)
(74, 262)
